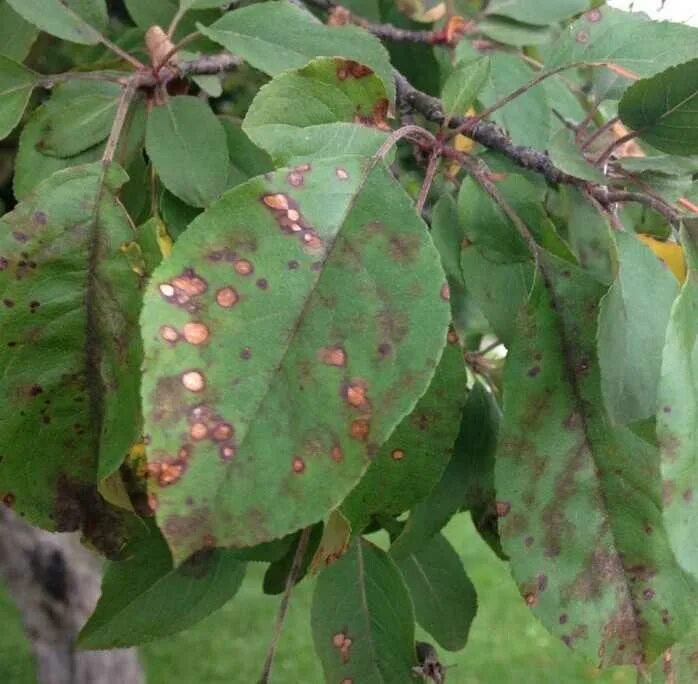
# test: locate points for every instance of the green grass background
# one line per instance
(506, 645)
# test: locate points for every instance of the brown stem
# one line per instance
(604, 156)
(283, 607)
(119, 119)
(409, 131)
(428, 180)
(600, 131)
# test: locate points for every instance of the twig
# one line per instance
(119, 119)
(176, 48)
(600, 131)
(283, 607)
(604, 156)
(409, 131)
(428, 180)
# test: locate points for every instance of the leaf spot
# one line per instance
(355, 394)
(359, 429)
(342, 173)
(226, 297)
(262, 284)
(336, 454)
(397, 455)
(502, 508)
(193, 381)
(333, 356)
(227, 453)
(168, 333)
(298, 465)
(198, 431)
(9, 499)
(278, 201)
(533, 372)
(445, 292)
(246, 354)
(243, 267)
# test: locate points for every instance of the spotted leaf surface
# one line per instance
(411, 462)
(677, 414)
(580, 501)
(70, 350)
(362, 619)
(296, 322)
(330, 107)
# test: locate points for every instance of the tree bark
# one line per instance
(55, 583)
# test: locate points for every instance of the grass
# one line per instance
(506, 644)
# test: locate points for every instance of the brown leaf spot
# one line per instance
(298, 465)
(227, 453)
(294, 179)
(195, 333)
(336, 454)
(384, 349)
(542, 582)
(333, 356)
(349, 68)
(167, 472)
(20, 236)
(198, 431)
(397, 454)
(166, 290)
(404, 249)
(222, 432)
(189, 283)
(262, 284)
(168, 333)
(341, 173)
(355, 394)
(359, 429)
(502, 508)
(293, 265)
(531, 599)
(8, 303)
(246, 354)
(563, 619)
(594, 16)
(226, 297)
(243, 267)
(9, 499)
(445, 292)
(648, 594)
(193, 380)
(338, 640)
(277, 201)
(582, 37)
(533, 372)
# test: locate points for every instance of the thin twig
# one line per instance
(175, 20)
(600, 131)
(283, 607)
(176, 48)
(137, 64)
(428, 180)
(409, 131)
(604, 156)
(119, 119)
(50, 80)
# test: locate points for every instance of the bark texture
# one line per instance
(55, 583)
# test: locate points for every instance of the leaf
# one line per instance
(200, 4)
(544, 12)
(661, 164)
(316, 294)
(16, 35)
(679, 663)
(187, 145)
(677, 414)
(514, 33)
(411, 462)
(276, 576)
(464, 85)
(16, 85)
(443, 596)
(79, 21)
(632, 325)
(276, 36)
(246, 159)
(78, 125)
(329, 107)
(567, 156)
(145, 598)
(70, 355)
(662, 109)
(467, 481)
(527, 118)
(362, 619)
(629, 40)
(579, 500)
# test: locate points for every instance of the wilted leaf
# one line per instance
(411, 462)
(329, 107)
(145, 598)
(187, 145)
(296, 322)
(580, 501)
(362, 619)
(632, 326)
(16, 85)
(70, 355)
(277, 36)
(443, 596)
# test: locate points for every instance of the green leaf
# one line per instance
(329, 107)
(145, 598)
(467, 481)
(677, 415)
(526, 118)
(411, 462)
(200, 4)
(362, 619)
(314, 305)
(16, 35)
(246, 159)
(187, 145)
(543, 12)
(662, 109)
(566, 155)
(629, 40)
(464, 85)
(79, 21)
(443, 596)
(70, 356)
(276, 36)
(514, 33)
(661, 164)
(16, 85)
(276, 576)
(632, 325)
(579, 500)
(78, 125)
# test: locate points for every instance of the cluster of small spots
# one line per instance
(298, 465)
(205, 424)
(291, 221)
(397, 454)
(295, 177)
(333, 356)
(343, 644)
(183, 288)
(193, 380)
(348, 68)
(227, 297)
(193, 332)
(167, 472)
(341, 173)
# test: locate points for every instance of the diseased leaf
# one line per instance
(543, 12)
(16, 35)
(362, 619)
(580, 501)
(443, 596)
(276, 36)
(632, 326)
(468, 480)
(187, 145)
(464, 85)
(662, 109)
(145, 598)
(16, 85)
(411, 462)
(79, 21)
(329, 107)
(71, 354)
(296, 322)
(679, 663)
(677, 414)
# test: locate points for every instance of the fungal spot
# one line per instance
(278, 201)
(594, 16)
(198, 431)
(341, 173)
(336, 454)
(4, 263)
(359, 429)
(9, 499)
(166, 290)
(222, 432)
(293, 265)
(531, 599)
(529, 541)
(195, 333)
(384, 349)
(445, 292)
(36, 390)
(338, 640)
(226, 297)
(542, 582)
(355, 394)
(293, 215)
(502, 508)
(168, 333)
(20, 236)
(333, 356)
(687, 495)
(167, 472)
(397, 455)
(582, 37)
(533, 371)
(193, 381)
(298, 465)
(189, 284)
(243, 267)
(295, 179)
(648, 594)
(563, 619)
(262, 284)
(227, 453)
(8, 303)
(246, 354)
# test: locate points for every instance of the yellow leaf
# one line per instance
(668, 252)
